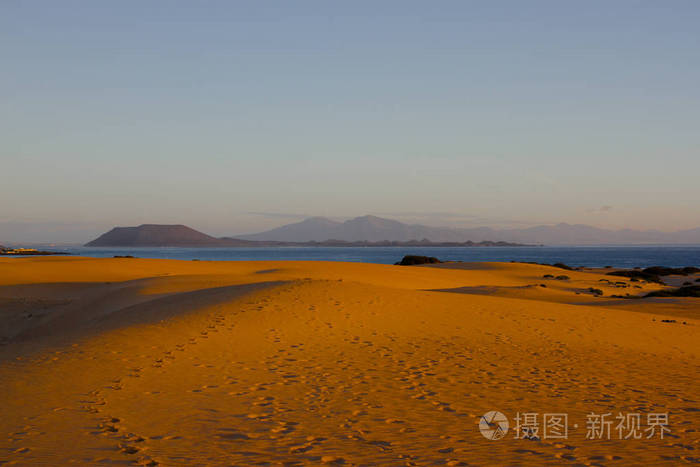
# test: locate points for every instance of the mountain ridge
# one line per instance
(159, 235)
(372, 230)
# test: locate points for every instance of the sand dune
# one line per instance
(158, 362)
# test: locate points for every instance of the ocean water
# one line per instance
(591, 256)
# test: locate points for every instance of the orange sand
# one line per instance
(157, 362)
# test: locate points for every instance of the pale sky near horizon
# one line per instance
(235, 117)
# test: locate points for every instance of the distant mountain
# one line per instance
(155, 235)
(311, 229)
(579, 234)
(365, 228)
(376, 229)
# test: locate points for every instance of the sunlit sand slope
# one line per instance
(155, 362)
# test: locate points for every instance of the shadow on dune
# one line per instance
(57, 312)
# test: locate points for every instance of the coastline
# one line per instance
(587, 256)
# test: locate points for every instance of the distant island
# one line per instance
(156, 235)
(377, 231)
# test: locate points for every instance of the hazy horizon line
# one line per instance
(89, 231)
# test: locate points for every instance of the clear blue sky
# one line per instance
(232, 117)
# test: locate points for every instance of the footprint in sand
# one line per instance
(145, 461)
(128, 449)
(231, 434)
(108, 428)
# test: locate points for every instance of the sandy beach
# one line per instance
(163, 362)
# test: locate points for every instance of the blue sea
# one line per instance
(591, 256)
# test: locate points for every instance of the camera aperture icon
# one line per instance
(493, 425)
